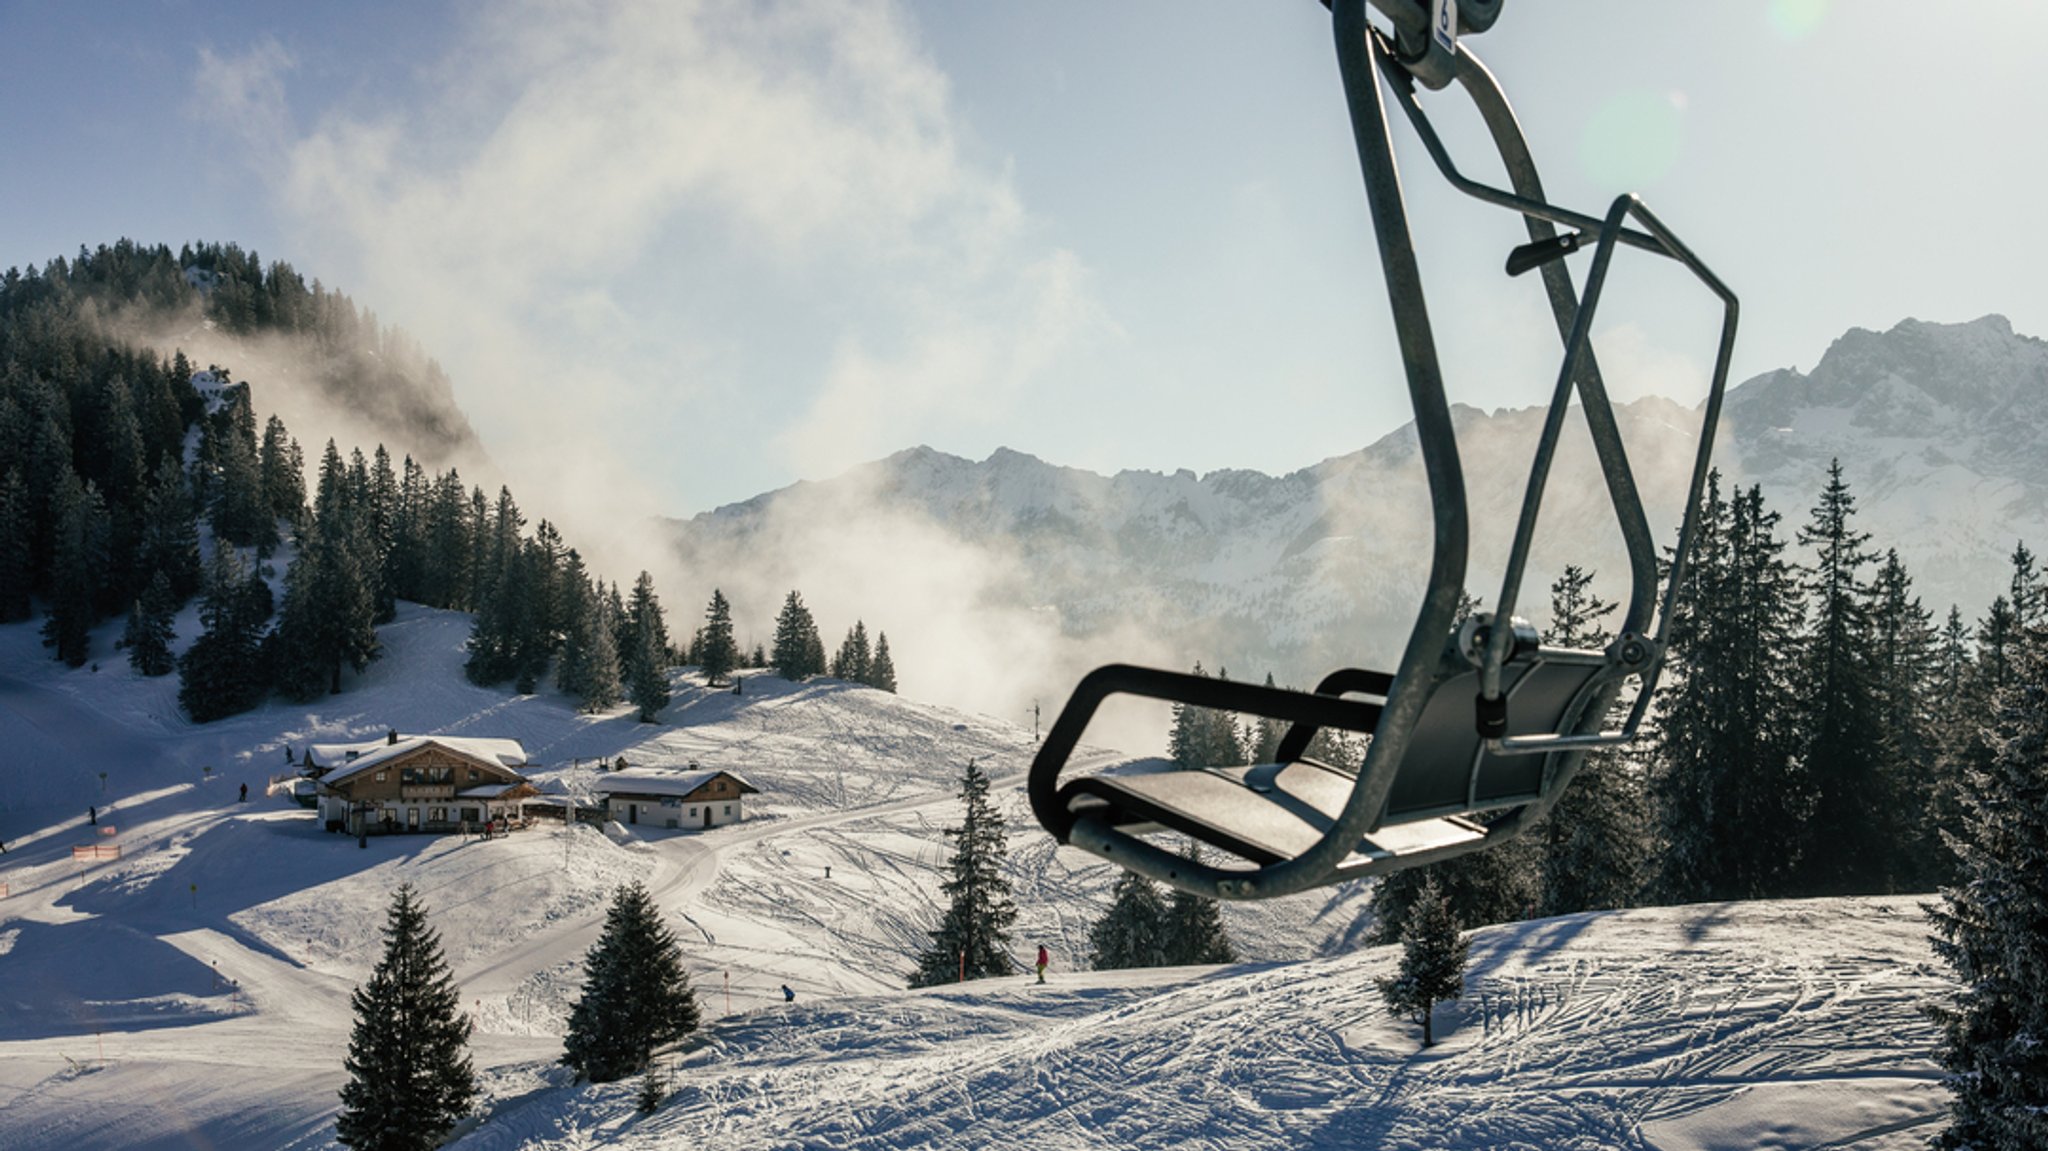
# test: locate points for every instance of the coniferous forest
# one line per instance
(131, 483)
(1814, 734)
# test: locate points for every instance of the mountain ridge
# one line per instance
(1937, 427)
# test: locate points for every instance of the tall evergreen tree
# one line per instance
(882, 669)
(1849, 832)
(170, 533)
(1204, 737)
(149, 633)
(1133, 932)
(590, 662)
(330, 598)
(282, 467)
(1904, 655)
(410, 1077)
(78, 568)
(1193, 927)
(224, 673)
(969, 942)
(2028, 608)
(646, 658)
(799, 652)
(1596, 836)
(1989, 929)
(716, 652)
(241, 508)
(1727, 791)
(1498, 885)
(636, 995)
(1432, 963)
(855, 657)
(542, 630)
(504, 613)
(17, 561)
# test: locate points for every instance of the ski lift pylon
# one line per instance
(1479, 728)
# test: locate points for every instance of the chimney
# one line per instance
(392, 736)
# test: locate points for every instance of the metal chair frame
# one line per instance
(1388, 822)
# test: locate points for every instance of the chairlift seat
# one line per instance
(1441, 790)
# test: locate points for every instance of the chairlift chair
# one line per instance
(1480, 726)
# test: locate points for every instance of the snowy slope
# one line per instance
(212, 962)
(194, 993)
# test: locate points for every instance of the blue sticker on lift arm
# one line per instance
(1443, 25)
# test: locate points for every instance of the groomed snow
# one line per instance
(194, 992)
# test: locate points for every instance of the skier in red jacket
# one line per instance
(1043, 959)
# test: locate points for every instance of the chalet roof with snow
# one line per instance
(344, 760)
(677, 783)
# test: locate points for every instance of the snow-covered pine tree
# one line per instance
(1988, 928)
(1132, 933)
(716, 653)
(647, 657)
(1432, 962)
(636, 995)
(1192, 927)
(1595, 838)
(882, 669)
(1851, 831)
(799, 653)
(969, 942)
(149, 633)
(410, 1077)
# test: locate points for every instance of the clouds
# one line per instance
(636, 229)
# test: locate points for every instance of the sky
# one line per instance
(676, 253)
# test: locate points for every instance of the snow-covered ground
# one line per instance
(194, 992)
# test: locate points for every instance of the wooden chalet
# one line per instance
(419, 783)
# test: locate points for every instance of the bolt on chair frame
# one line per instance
(1441, 776)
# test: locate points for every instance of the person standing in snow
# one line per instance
(788, 996)
(1043, 958)
(92, 815)
(244, 798)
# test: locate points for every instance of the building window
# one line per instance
(380, 777)
(693, 813)
(474, 775)
(437, 815)
(728, 809)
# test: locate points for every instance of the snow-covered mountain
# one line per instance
(1940, 429)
